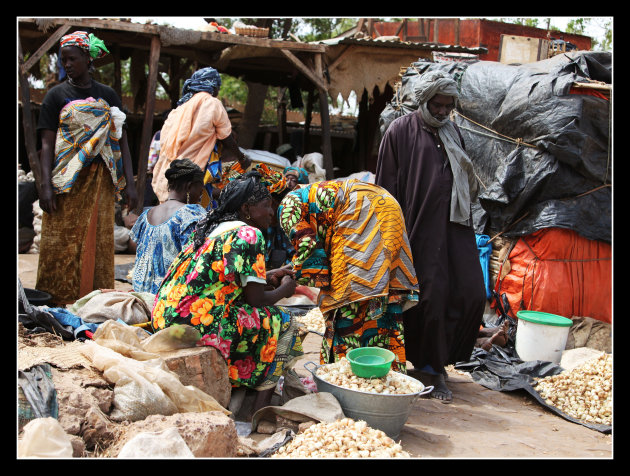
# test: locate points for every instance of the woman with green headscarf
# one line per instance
(85, 166)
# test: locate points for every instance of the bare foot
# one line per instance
(440, 390)
(493, 335)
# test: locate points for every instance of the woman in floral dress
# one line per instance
(219, 285)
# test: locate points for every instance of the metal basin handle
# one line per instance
(313, 369)
(426, 390)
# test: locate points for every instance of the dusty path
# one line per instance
(480, 423)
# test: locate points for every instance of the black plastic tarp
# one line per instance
(501, 369)
(564, 180)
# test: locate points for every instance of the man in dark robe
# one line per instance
(423, 164)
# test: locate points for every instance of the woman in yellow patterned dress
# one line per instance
(351, 243)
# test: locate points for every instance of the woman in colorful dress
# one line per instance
(85, 167)
(161, 232)
(351, 243)
(219, 285)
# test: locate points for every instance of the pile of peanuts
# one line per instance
(343, 438)
(394, 383)
(584, 393)
(313, 320)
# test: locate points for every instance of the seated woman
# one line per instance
(219, 285)
(351, 243)
(161, 232)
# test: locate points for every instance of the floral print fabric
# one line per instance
(204, 289)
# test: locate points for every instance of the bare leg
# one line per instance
(263, 399)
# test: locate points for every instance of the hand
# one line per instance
(47, 200)
(245, 161)
(275, 275)
(132, 196)
(288, 284)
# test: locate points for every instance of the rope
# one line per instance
(518, 141)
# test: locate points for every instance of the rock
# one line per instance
(202, 367)
(208, 434)
(83, 398)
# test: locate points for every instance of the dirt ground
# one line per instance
(479, 423)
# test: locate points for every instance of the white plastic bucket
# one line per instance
(541, 336)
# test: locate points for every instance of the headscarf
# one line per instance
(206, 79)
(464, 181)
(246, 189)
(274, 181)
(90, 43)
(302, 174)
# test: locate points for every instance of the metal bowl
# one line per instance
(388, 413)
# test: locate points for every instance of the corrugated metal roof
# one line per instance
(388, 43)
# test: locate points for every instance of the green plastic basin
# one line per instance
(370, 362)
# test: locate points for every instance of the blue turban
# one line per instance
(206, 79)
(301, 173)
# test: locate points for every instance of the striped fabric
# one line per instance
(350, 240)
(86, 130)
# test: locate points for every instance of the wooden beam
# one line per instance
(147, 125)
(42, 50)
(154, 30)
(299, 65)
(27, 121)
(360, 24)
(338, 59)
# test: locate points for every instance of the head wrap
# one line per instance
(206, 79)
(430, 84)
(464, 188)
(90, 43)
(245, 189)
(274, 181)
(302, 174)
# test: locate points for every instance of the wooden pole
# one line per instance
(282, 117)
(307, 122)
(147, 126)
(326, 144)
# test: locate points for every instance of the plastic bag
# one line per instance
(164, 444)
(172, 338)
(44, 438)
(123, 339)
(144, 387)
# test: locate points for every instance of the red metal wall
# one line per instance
(478, 32)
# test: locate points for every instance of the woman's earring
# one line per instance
(248, 217)
(187, 197)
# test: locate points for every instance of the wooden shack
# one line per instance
(368, 66)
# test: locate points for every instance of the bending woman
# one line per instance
(351, 242)
(161, 232)
(219, 285)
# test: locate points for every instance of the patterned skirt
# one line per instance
(76, 254)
